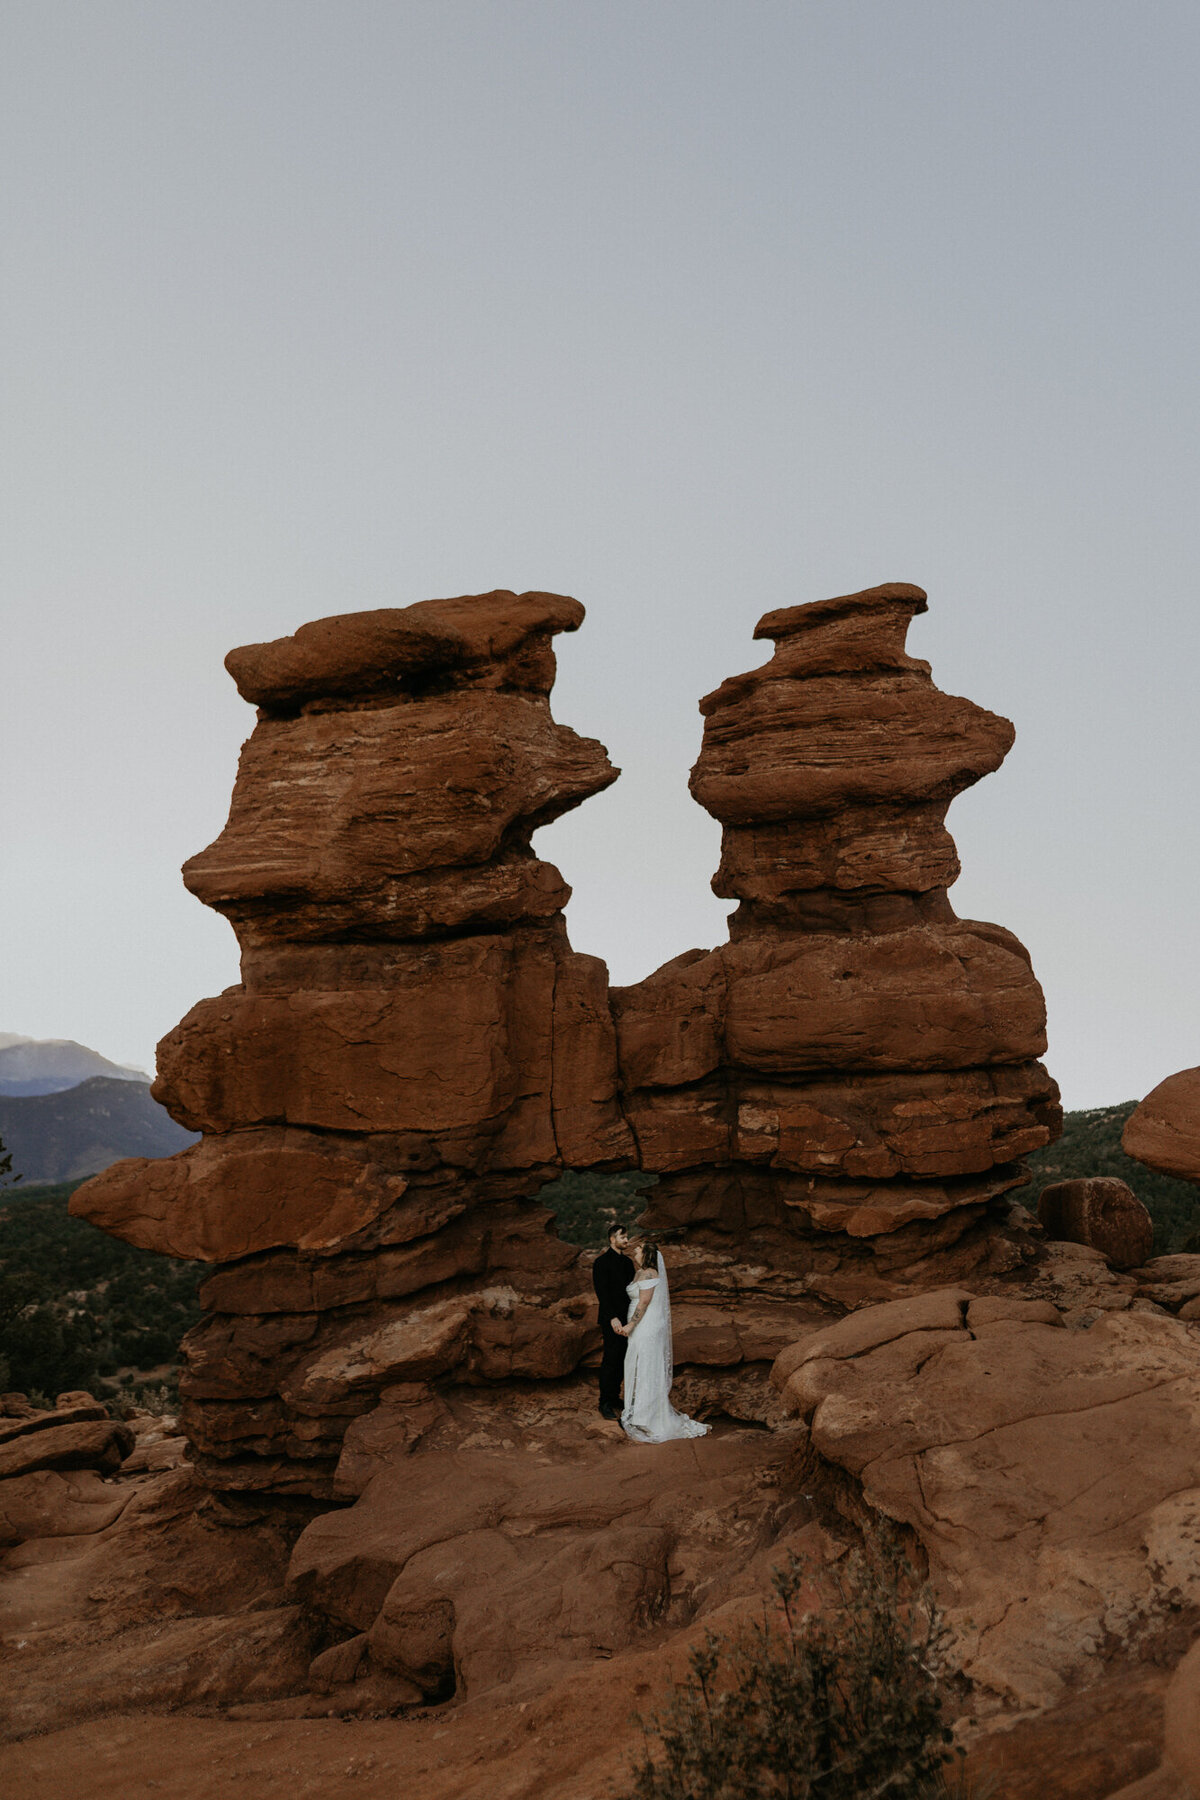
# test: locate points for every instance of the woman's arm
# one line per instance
(646, 1293)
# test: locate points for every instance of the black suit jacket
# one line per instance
(611, 1274)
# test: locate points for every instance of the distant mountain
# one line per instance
(62, 1136)
(51, 1065)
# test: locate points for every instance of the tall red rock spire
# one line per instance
(856, 1059)
(414, 1047)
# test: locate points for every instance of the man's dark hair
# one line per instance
(613, 1230)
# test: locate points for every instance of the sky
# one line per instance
(690, 310)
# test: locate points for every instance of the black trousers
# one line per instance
(612, 1365)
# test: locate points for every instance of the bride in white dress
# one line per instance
(648, 1416)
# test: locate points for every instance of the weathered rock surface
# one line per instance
(87, 1445)
(1052, 1475)
(1164, 1131)
(413, 1050)
(836, 1100)
(836, 1103)
(141, 1591)
(50, 1503)
(852, 1031)
(1100, 1211)
(473, 1569)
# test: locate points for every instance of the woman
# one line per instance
(649, 1417)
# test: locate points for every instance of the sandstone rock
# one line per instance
(852, 1030)
(467, 1569)
(228, 1197)
(496, 640)
(1102, 1212)
(874, 1326)
(1181, 1722)
(384, 1435)
(338, 1664)
(48, 1503)
(1051, 1475)
(430, 1240)
(183, 1662)
(83, 1446)
(1169, 1281)
(366, 813)
(1089, 1744)
(78, 1412)
(835, 1099)
(1164, 1131)
(813, 731)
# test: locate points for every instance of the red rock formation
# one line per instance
(414, 1047)
(1051, 1475)
(856, 1065)
(1100, 1211)
(1164, 1131)
(834, 1099)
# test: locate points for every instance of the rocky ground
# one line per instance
(515, 1581)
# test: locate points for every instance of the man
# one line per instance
(612, 1272)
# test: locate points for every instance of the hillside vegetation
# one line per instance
(80, 1309)
(1091, 1145)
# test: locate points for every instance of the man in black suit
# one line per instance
(612, 1272)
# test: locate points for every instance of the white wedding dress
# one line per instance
(649, 1417)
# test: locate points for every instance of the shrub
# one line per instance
(845, 1703)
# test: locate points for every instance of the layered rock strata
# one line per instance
(1052, 1475)
(414, 1047)
(851, 1080)
(834, 1101)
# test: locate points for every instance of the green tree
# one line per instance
(7, 1178)
(81, 1309)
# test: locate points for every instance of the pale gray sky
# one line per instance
(687, 309)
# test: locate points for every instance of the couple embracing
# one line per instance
(635, 1322)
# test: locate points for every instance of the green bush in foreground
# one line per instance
(841, 1704)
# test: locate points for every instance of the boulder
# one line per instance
(852, 1030)
(486, 641)
(69, 1409)
(51, 1503)
(1102, 1212)
(1164, 1131)
(83, 1446)
(470, 1569)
